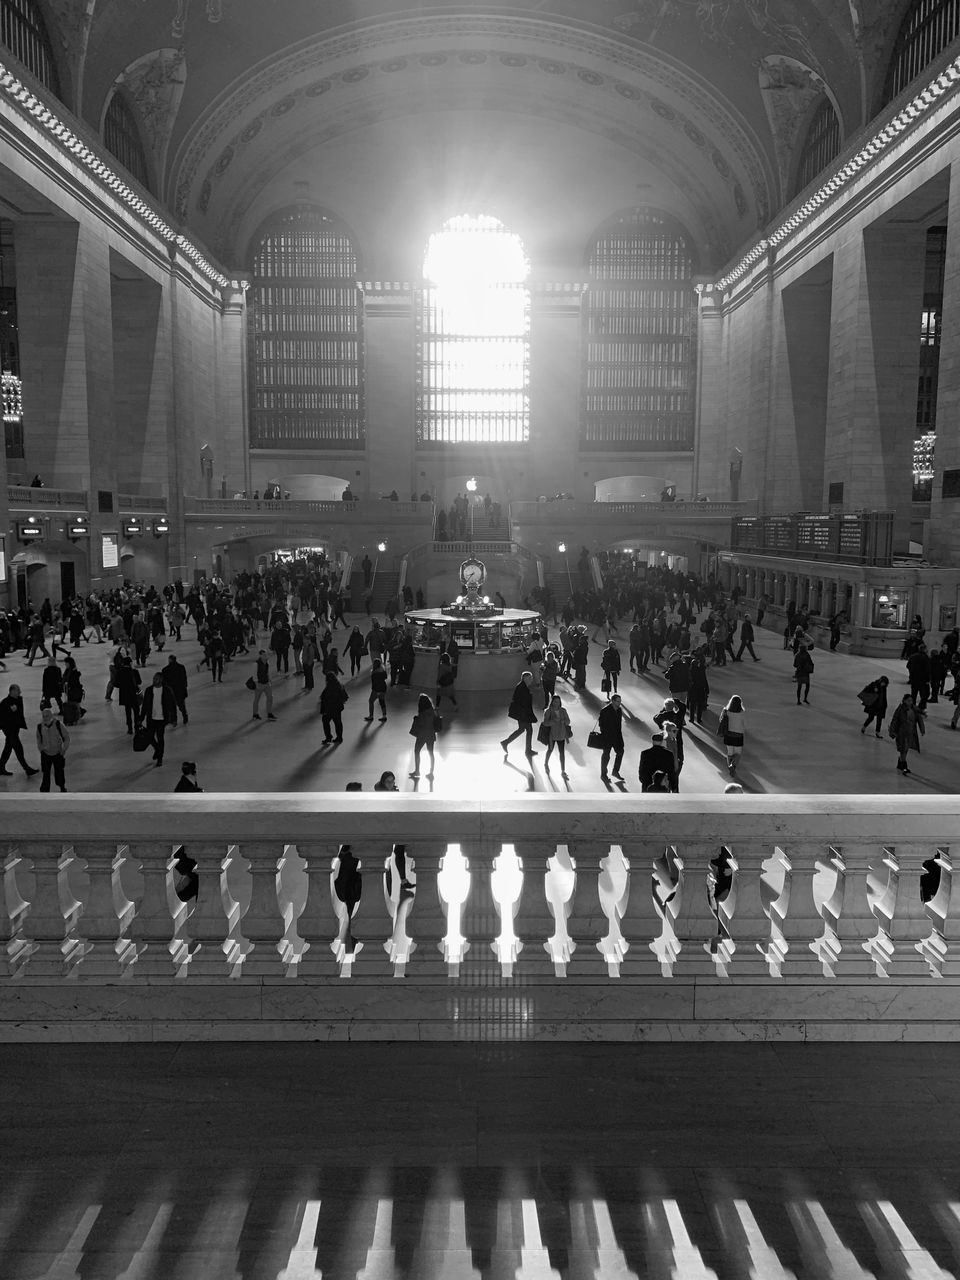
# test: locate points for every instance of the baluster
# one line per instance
(614, 892)
(399, 891)
(152, 927)
(642, 922)
(14, 948)
(207, 929)
(933, 947)
(479, 917)
(317, 922)
(48, 925)
(587, 923)
(438, 925)
(534, 921)
(372, 924)
(667, 891)
(748, 921)
(697, 929)
(262, 923)
(346, 892)
(910, 924)
(951, 924)
(506, 887)
(774, 893)
(856, 922)
(805, 931)
(98, 924)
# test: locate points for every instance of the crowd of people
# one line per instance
(291, 623)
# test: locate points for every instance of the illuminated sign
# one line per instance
(132, 528)
(78, 529)
(160, 527)
(3, 558)
(110, 551)
(30, 530)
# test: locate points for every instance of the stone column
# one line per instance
(945, 511)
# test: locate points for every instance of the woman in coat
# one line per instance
(906, 726)
(555, 729)
(611, 665)
(355, 647)
(874, 699)
(127, 683)
(424, 733)
(730, 729)
(699, 689)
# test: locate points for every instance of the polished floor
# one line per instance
(813, 749)
(443, 1162)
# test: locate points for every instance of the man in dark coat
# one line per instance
(175, 679)
(657, 759)
(610, 727)
(746, 640)
(918, 669)
(11, 722)
(521, 710)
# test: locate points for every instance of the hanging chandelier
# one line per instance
(179, 26)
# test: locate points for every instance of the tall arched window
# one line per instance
(306, 335)
(639, 336)
(820, 146)
(926, 30)
(473, 336)
(24, 32)
(121, 137)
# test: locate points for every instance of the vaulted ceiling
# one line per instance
(552, 114)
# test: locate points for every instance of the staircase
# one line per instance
(384, 586)
(557, 582)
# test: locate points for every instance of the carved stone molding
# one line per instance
(789, 89)
(156, 82)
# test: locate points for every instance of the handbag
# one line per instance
(251, 684)
(437, 722)
(142, 739)
(543, 734)
(605, 684)
(595, 739)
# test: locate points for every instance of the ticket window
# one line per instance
(890, 609)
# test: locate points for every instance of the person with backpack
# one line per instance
(53, 741)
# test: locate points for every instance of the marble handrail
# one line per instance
(567, 510)
(21, 495)
(358, 510)
(789, 889)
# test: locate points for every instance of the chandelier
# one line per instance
(214, 14)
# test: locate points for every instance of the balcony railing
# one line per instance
(22, 495)
(565, 511)
(358, 510)
(822, 916)
(865, 538)
(136, 502)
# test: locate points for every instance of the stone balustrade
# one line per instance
(567, 510)
(24, 497)
(411, 917)
(358, 510)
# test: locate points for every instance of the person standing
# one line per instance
(262, 688)
(611, 667)
(378, 690)
(175, 679)
(730, 730)
(333, 698)
(906, 727)
(159, 708)
(802, 669)
(698, 692)
(53, 742)
(12, 720)
(746, 639)
(874, 699)
(918, 670)
(51, 688)
(610, 728)
(308, 657)
(535, 658)
(549, 674)
(521, 710)
(354, 649)
(188, 778)
(446, 677)
(127, 681)
(555, 731)
(280, 644)
(656, 760)
(423, 730)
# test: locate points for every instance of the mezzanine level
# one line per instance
(661, 525)
(540, 918)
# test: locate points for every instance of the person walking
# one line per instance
(610, 728)
(261, 686)
(746, 639)
(521, 710)
(354, 649)
(158, 710)
(446, 677)
(611, 667)
(280, 640)
(906, 728)
(214, 651)
(549, 674)
(918, 671)
(51, 688)
(555, 731)
(802, 669)
(12, 720)
(53, 742)
(874, 699)
(698, 693)
(423, 730)
(308, 657)
(730, 730)
(535, 658)
(378, 690)
(333, 698)
(127, 681)
(175, 679)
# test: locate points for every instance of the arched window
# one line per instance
(820, 146)
(306, 335)
(639, 336)
(473, 321)
(926, 30)
(121, 137)
(24, 32)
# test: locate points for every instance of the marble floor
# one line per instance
(812, 749)
(396, 1161)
